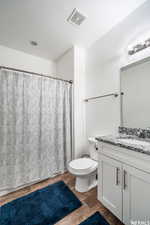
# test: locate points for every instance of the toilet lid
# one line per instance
(83, 163)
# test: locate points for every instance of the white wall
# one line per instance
(65, 65)
(79, 103)
(104, 59)
(102, 115)
(71, 66)
(20, 60)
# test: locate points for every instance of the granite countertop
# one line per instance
(114, 140)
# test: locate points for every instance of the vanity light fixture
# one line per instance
(139, 47)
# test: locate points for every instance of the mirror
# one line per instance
(135, 101)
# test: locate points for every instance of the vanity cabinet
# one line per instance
(110, 185)
(136, 195)
(123, 188)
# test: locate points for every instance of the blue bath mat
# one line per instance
(95, 219)
(42, 207)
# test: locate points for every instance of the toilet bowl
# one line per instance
(85, 169)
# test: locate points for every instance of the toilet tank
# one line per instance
(93, 148)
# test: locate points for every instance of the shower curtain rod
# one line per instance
(37, 74)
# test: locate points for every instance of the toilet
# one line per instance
(85, 169)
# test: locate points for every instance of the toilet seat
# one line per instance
(82, 166)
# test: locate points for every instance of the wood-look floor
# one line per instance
(89, 200)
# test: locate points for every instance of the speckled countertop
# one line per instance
(116, 140)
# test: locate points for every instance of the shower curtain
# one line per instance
(35, 128)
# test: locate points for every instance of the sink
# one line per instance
(130, 141)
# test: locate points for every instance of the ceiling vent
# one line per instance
(76, 18)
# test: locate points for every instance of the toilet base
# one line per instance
(86, 182)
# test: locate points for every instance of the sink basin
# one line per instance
(130, 141)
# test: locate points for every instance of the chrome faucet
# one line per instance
(140, 133)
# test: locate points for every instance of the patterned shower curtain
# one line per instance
(35, 128)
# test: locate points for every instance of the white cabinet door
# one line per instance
(136, 196)
(110, 184)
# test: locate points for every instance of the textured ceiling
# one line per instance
(44, 21)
